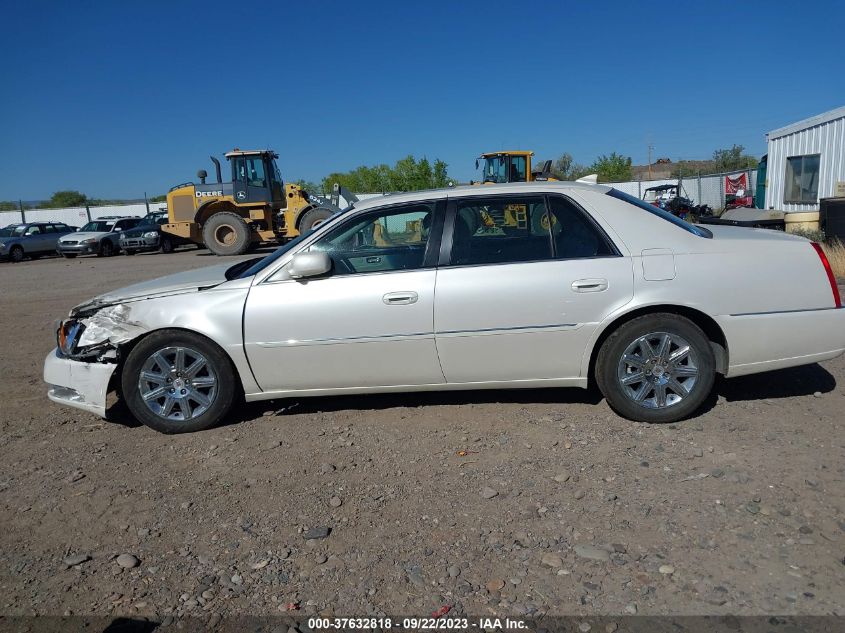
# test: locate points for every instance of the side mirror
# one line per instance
(309, 264)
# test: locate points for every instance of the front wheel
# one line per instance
(178, 382)
(16, 254)
(166, 245)
(313, 218)
(656, 368)
(226, 233)
(107, 249)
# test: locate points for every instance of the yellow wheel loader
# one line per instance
(255, 206)
(511, 166)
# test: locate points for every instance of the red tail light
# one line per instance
(826, 265)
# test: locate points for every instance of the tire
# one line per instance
(106, 249)
(191, 407)
(69, 255)
(313, 218)
(655, 398)
(166, 245)
(226, 233)
(16, 254)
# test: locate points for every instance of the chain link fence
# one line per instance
(706, 189)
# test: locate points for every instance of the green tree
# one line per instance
(407, 174)
(733, 159)
(424, 178)
(6, 205)
(441, 177)
(612, 168)
(161, 198)
(564, 168)
(68, 198)
(309, 186)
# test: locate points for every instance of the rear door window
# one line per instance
(500, 230)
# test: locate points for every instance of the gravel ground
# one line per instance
(520, 503)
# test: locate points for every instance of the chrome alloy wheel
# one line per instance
(658, 370)
(177, 383)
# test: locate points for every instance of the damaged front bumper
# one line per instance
(79, 369)
(78, 384)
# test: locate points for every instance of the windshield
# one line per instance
(691, 228)
(97, 227)
(495, 169)
(13, 231)
(238, 272)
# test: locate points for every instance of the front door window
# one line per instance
(385, 240)
(255, 175)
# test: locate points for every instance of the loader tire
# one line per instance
(226, 233)
(313, 218)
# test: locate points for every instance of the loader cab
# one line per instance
(256, 177)
(501, 167)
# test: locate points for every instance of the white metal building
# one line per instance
(806, 160)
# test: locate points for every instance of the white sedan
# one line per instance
(487, 287)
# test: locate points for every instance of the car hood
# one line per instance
(80, 235)
(139, 232)
(179, 283)
(6, 240)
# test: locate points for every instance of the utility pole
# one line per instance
(650, 150)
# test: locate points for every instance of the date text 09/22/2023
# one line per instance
(433, 623)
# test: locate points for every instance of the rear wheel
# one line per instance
(226, 233)
(16, 254)
(313, 218)
(656, 368)
(177, 382)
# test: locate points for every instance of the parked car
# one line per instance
(31, 239)
(99, 237)
(548, 284)
(148, 236)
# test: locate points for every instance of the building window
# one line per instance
(802, 179)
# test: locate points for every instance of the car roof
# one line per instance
(543, 186)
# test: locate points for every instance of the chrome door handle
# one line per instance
(400, 298)
(589, 285)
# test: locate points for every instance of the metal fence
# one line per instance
(77, 216)
(701, 189)
(706, 189)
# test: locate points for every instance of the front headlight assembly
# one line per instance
(67, 334)
(90, 240)
(150, 234)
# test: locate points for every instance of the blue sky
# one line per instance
(118, 98)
